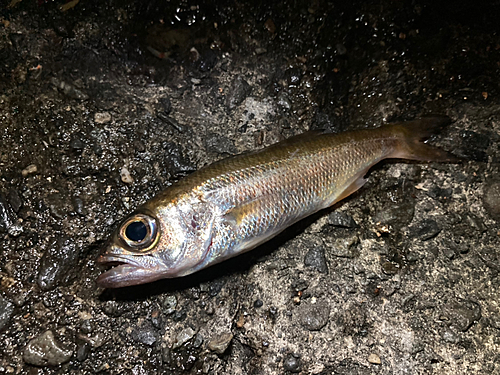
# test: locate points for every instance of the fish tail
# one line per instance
(413, 133)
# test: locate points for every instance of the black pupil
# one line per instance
(136, 231)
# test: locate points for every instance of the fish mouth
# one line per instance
(125, 272)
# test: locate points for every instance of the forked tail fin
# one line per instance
(412, 135)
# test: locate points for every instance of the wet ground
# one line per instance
(103, 104)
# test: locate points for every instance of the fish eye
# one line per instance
(136, 231)
(139, 232)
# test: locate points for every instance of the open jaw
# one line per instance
(125, 272)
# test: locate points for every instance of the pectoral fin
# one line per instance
(253, 223)
(237, 215)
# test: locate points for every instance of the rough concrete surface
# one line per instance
(105, 103)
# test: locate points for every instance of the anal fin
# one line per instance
(357, 184)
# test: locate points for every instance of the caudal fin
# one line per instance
(413, 133)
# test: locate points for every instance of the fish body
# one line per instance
(238, 203)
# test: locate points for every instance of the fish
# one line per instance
(238, 203)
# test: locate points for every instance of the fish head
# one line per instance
(151, 245)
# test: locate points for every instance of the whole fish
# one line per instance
(238, 203)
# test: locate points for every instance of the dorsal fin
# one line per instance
(299, 138)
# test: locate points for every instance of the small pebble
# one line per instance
(491, 199)
(17, 41)
(76, 142)
(20, 299)
(241, 321)
(165, 104)
(169, 304)
(448, 252)
(98, 339)
(314, 316)
(102, 117)
(292, 76)
(156, 319)
(342, 220)
(270, 26)
(375, 359)
(210, 309)
(44, 350)
(175, 160)
(126, 176)
(139, 146)
(183, 336)
(79, 206)
(145, 334)
(396, 205)
(56, 262)
(97, 148)
(284, 101)
(258, 303)
(425, 230)
(413, 256)
(82, 351)
(390, 268)
(215, 287)
(30, 169)
(220, 343)
(58, 205)
(14, 200)
(8, 219)
(449, 336)
(345, 247)
(273, 311)
(437, 192)
(179, 315)
(315, 258)
(291, 363)
(299, 285)
(68, 89)
(86, 327)
(397, 215)
(112, 308)
(476, 223)
(463, 315)
(172, 122)
(198, 340)
(6, 311)
(238, 92)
